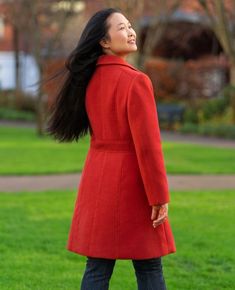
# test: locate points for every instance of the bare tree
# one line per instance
(221, 15)
(44, 18)
(161, 11)
(43, 24)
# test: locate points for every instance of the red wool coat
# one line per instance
(124, 172)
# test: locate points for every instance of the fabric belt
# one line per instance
(112, 145)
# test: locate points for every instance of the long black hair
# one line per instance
(68, 118)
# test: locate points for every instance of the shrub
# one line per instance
(26, 103)
(220, 130)
(214, 107)
(189, 128)
(12, 114)
(191, 116)
(202, 111)
(187, 80)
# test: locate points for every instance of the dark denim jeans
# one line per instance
(98, 272)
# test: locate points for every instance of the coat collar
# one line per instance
(106, 59)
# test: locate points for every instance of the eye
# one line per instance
(122, 27)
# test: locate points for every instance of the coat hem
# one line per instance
(121, 257)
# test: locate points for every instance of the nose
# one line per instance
(130, 33)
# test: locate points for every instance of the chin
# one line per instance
(133, 49)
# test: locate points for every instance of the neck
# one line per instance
(123, 56)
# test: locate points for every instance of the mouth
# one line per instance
(132, 41)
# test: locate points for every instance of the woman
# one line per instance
(121, 210)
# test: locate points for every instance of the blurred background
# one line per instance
(186, 47)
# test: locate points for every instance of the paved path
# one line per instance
(71, 181)
(22, 124)
(196, 139)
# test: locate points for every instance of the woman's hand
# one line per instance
(159, 214)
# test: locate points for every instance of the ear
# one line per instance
(104, 43)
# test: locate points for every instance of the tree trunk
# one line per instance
(40, 116)
(232, 83)
(18, 95)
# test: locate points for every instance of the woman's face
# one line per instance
(122, 37)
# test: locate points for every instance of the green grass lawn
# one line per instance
(34, 230)
(23, 153)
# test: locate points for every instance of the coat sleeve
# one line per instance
(144, 126)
